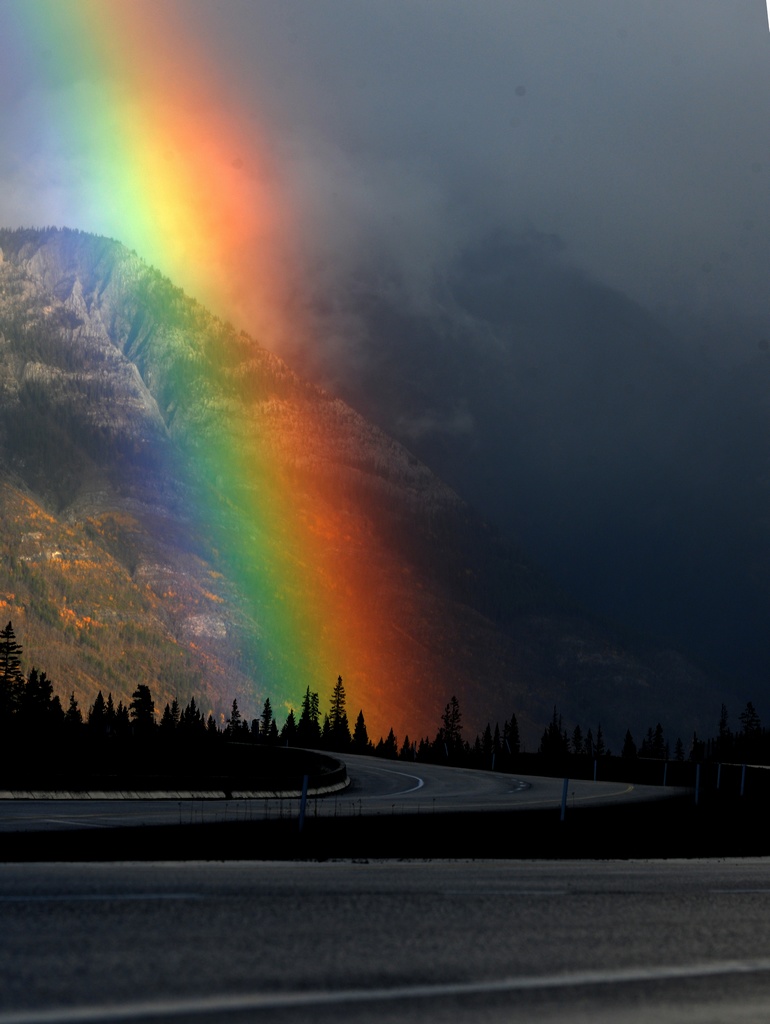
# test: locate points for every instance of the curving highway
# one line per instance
(376, 787)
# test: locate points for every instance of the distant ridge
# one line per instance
(179, 508)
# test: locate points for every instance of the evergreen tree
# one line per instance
(722, 746)
(629, 747)
(577, 740)
(487, 747)
(309, 726)
(191, 721)
(697, 749)
(289, 730)
(511, 736)
(659, 743)
(73, 718)
(407, 750)
(39, 712)
(109, 715)
(361, 744)
(97, 715)
(451, 727)
(11, 678)
(339, 729)
(267, 719)
(599, 748)
(590, 746)
(122, 720)
(554, 742)
(167, 723)
(748, 718)
(647, 743)
(234, 722)
(388, 747)
(326, 733)
(142, 708)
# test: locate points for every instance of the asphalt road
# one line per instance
(384, 942)
(377, 787)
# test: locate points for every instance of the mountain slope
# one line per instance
(181, 507)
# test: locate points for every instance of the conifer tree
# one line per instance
(267, 718)
(339, 729)
(599, 748)
(748, 718)
(167, 723)
(97, 715)
(659, 743)
(451, 727)
(511, 736)
(361, 744)
(309, 727)
(109, 714)
(142, 708)
(234, 722)
(11, 678)
(38, 710)
(629, 747)
(73, 718)
(388, 747)
(590, 746)
(554, 742)
(122, 720)
(486, 746)
(289, 730)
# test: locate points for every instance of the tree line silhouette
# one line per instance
(32, 714)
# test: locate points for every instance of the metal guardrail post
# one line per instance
(303, 802)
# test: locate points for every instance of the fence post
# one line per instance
(303, 802)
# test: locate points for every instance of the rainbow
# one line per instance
(174, 169)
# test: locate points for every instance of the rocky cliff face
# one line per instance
(141, 440)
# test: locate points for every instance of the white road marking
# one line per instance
(102, 897)
(74, 821)
(403, 775)
(287, 1000)
(506, 892)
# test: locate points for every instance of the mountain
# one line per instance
(609, 442)
(180, 508)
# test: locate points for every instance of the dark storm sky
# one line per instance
(530, 237)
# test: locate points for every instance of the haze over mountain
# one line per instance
(626, 451)
(142, 440)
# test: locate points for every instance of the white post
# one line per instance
(303, 802)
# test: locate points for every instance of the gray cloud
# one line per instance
(529, 238)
